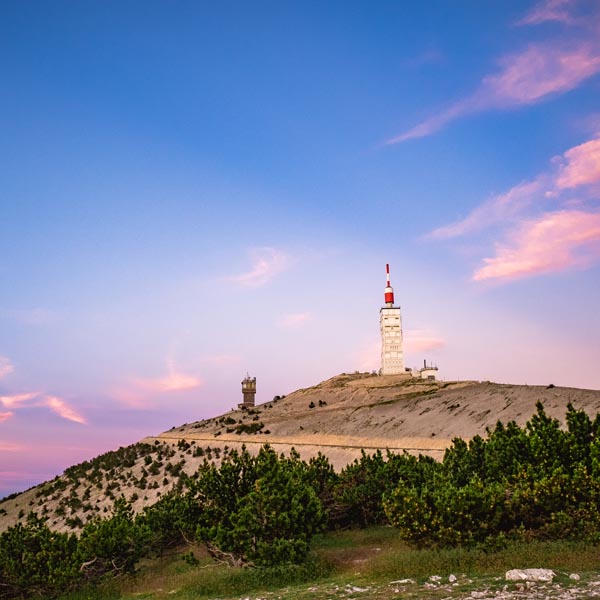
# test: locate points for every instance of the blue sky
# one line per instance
(192, 190)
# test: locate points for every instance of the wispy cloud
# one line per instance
(545, 225)
(549, 10)
(422, 340)
(4, 416)
(62, 409)
(497, 208)
(539, 71)
(6, 367)
(36, 399)
(141, 393)
(267, 263)
(554, 242)
(526, 77)
(580, 165)
(294, 320)
(15, 400)
(173, 381)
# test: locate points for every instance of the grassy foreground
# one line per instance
(369, 563)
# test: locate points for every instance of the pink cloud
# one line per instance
(554, 242)
(524, 78)
(422, 340)
(549, 10)
(582, 165)
(496, 209)
(174, 381)
(15, 400)
(266, 264)
(541, 70)
(4, 416)
(62, 409)
(140, 393)
(35, 399)
(294, 320)
(435, 123)
(6, 367)
(578, 166)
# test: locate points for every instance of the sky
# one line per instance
(191, 191)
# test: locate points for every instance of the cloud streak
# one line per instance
(549, 10)
(580, 166)
(174, 381)
(15, 400)
(527, 77)
(37, 400)
(547, 225)
(141, 393)
(578, 169)
(62, 409)
(267, 263)
(555, 242)
(422, 340)
(497, 208)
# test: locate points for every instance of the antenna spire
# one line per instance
(389, 290)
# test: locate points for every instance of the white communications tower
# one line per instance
(392, 357)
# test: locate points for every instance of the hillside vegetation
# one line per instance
(337, 418)
(516, 485)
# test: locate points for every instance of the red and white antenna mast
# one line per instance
(389, 291)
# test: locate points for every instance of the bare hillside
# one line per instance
(337, 417)
(348, 412)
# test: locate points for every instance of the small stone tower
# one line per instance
(248, 392)
(392, 356)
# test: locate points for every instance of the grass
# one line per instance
(365, 563)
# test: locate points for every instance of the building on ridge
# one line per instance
(428, 372)
(390, 320)
(248, 392)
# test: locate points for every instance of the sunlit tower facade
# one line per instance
(390, 321)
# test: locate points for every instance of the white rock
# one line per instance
(452, 578)
(575, 576)
(537, 575)
(435, 579)
(403, 581)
